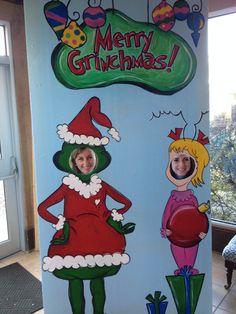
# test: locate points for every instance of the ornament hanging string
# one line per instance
(148, 5)
(197, 8)
(94, 2)
(74, 13)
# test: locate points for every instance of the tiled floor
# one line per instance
(29, 261)
(224, 302)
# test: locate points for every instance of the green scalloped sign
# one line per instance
(124, 51)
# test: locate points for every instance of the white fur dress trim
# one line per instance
(58, 262)
(84, 189)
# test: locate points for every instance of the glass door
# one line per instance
(3, 216)
(9, 222)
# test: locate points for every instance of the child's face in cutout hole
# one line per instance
(85, 161)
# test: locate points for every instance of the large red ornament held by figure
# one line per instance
(186, 223)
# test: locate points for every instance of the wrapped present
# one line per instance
(74, 36)
(186, 289)
(157, 303)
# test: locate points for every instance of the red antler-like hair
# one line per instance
(175, 135)
(202, 138)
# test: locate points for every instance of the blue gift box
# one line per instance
(162, 307)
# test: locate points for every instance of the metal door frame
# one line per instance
(15, 138)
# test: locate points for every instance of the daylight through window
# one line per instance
(3, 46)
(222, 84)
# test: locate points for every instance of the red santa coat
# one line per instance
(86, 213)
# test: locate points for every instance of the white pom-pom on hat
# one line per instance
(115, 134)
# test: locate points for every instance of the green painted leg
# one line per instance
(76, 296)
(97, 287)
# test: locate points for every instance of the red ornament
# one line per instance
(163, 16)
(186, 223)
(94, 16)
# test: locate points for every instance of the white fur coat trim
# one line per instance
(58, 262)
(60, 223)
(116, 216)
(84, 189)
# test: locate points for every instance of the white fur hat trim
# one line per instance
(58, 262)
(71, 138)
(115, 134)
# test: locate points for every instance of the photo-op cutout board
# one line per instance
(119, 100)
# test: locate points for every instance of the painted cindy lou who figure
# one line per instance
(184, 221)
(89, 240)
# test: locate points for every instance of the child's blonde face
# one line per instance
(85, 161)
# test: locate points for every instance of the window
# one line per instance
(222, 84)
(3, 43)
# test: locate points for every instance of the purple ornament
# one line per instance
(181, 10)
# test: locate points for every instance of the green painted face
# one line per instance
(78, 158)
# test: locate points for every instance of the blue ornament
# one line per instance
(196, 22)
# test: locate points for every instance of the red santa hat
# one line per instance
(81, 129)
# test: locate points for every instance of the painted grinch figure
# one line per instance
(89, 242)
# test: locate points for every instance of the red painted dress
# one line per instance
(85, 211)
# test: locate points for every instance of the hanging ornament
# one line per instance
(148, 6)
(196, 22)
(113, 5)
(73, 36)
(56, 15)
(186, 235)
(94, 16)
(181, 10)
(163, 16)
